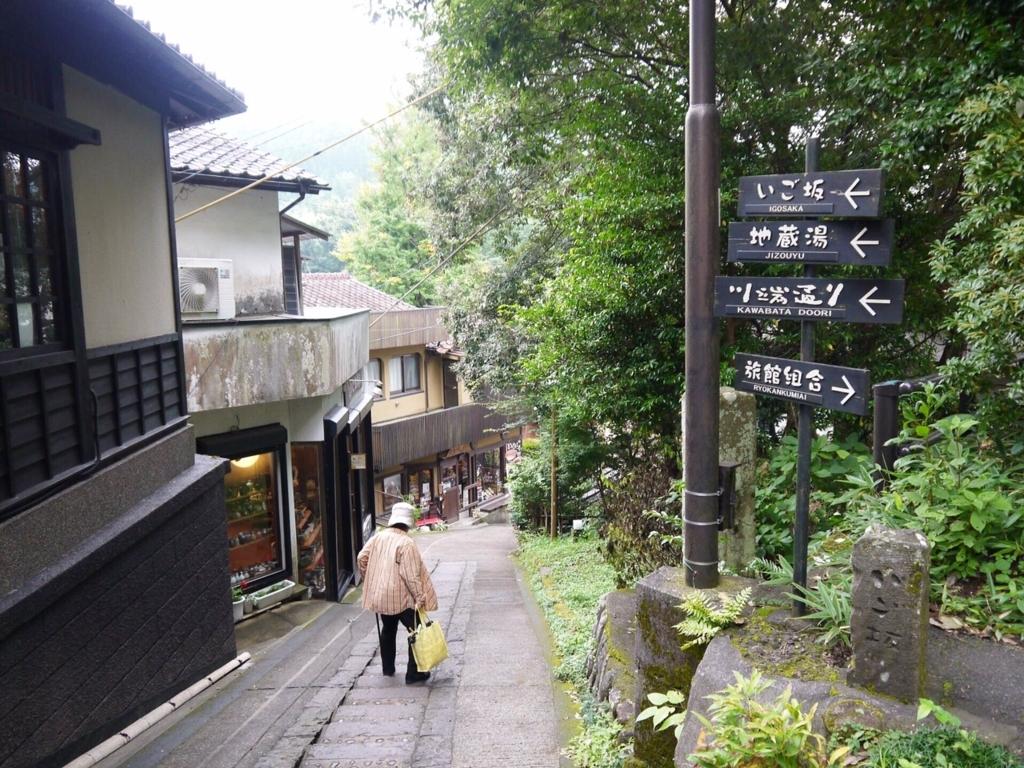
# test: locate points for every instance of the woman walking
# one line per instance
(395, 584)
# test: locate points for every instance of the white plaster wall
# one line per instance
(245, 229)
(120, 197)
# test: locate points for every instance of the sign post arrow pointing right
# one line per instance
(856, 243)
(849, 391)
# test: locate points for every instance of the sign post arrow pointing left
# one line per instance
(856, 242)
(866, 301)
(849, 194)
(849, 391)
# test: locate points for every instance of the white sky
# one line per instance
(293, 60)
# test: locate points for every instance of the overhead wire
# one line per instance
(328, 147)
(458, 249)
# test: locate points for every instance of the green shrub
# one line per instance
(944, 747)
(568, 576)
(968, 501)
(776, 489)
(743, 733)
(597, 745)
(643, 522)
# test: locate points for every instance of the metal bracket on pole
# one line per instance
(727, 496)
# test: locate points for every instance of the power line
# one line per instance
(476, 233)
(319, 152)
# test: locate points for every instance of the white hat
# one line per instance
(402, 513)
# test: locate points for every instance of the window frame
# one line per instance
(59, 254)
(380, 376)
(402, 391)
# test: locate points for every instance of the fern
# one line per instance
(705, 617)
(774, 572)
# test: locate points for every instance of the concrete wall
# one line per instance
(120, 198)
(435, 382)
(238, 364)
(124, 620)
(245, 229)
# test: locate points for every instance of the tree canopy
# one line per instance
(565, 121)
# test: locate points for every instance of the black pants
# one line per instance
(388, 634)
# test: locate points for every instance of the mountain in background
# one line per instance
(346, 168)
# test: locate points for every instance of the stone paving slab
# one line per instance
(491, 703)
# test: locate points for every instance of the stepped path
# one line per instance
(314, 695)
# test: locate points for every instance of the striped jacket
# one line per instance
(388, 563)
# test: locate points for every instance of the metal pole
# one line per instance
(700, 451)
(553, 532)
(805, 427)
(886, 427)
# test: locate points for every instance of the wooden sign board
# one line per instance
(850, 194)
(806, 298)
(815, 384)
(867, 243)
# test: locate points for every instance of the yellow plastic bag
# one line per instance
(429, 647)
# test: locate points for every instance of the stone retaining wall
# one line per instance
(611, 665)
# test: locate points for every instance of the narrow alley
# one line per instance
(313, 694)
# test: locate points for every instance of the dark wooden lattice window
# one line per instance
(29, 308)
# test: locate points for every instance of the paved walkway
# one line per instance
(490, 704)
(314, 695)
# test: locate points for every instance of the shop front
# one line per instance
(298, 490)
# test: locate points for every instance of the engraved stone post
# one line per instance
(890, 611)
(737, 444)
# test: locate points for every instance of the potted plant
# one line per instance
(237, 602)
(272, 595)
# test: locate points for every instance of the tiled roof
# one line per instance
(203, 155)
(340, 289)
(127, 11)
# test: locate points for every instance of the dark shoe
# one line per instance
(419, 677)
(389, 673)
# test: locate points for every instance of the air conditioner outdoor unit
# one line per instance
(206, 289)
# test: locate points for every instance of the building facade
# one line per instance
(278, 390)
(113, 594)
(432, 444)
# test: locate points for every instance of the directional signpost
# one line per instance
(825, 386)
(866, 243)
(854, 237)
(810, 298)
(851, 194)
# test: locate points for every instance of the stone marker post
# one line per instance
(737, 444)
(889, 624)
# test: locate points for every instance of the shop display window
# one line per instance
(392, 491)
(254, 522)
(307, 485)
(488, 470)
(421, 487)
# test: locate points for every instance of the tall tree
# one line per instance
(389, 246)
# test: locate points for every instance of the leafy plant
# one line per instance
(968, 501)
(597, 745)
(943, 747)
(667, 710)
(236, 594)
(639, 543)
(776, 489)
(830, 605)
(568, 576)
(744, 733)
(706, 616)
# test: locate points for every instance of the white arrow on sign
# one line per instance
(849, 194)
(866, 301)
(848, 391)
(856, 242)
